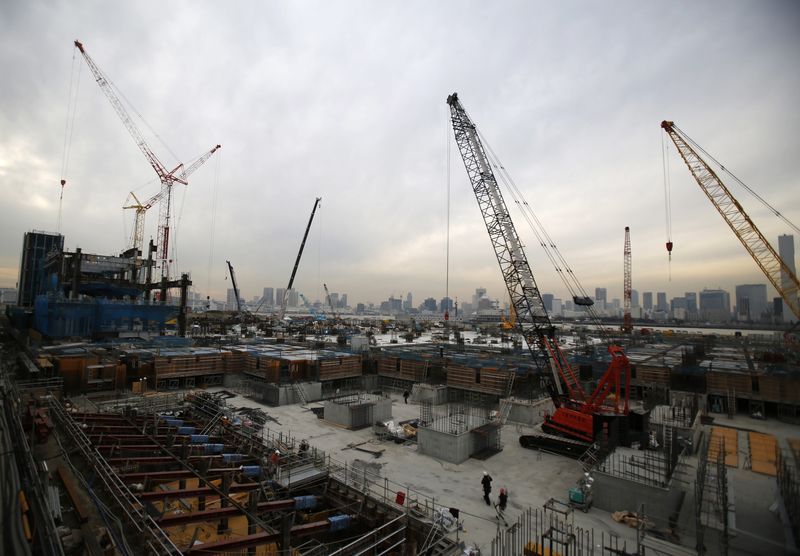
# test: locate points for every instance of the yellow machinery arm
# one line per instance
(774, 268)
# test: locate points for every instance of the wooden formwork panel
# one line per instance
(412, 370)
(771, 387)
(387, 366)
(727, 437)
(763, 453)
(794, 444)
(341, 367)
(236, 361)
(489, 380)
(652, 375)
(721, 381)
(188, 364)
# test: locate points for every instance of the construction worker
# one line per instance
(486, 482)
(406, 395)
(502, 499)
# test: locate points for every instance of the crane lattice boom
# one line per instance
(627, 322)
(574, 414)
(765, 256)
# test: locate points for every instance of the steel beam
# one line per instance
(257, 539)
(192, 492)
(210, 515)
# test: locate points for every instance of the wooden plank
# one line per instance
(72, 492)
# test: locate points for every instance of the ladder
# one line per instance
(505, 410)
(590, 457)
(731, 403)
(299, 392)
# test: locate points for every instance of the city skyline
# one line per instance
(303, 110)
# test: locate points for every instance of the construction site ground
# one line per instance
(530, 477)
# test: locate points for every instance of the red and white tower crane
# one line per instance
(627, 322)
(168, 178)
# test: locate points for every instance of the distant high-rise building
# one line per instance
(600, 294)
(446, 304)
(334, 299)
(409, 303)
(647, 301)
(268, 299)
(691, 302)
(715, 305)
(230, 302)
(661, 301)
(634, 298)
(547, 299)
(751, 302)
(280, 294)
(677, 303)
(360, 308)
(35, 248)
(429, 305)
(343, 301)
(292, 299)
(786, 251)
(480, 293)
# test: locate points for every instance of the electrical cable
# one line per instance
(667, 198)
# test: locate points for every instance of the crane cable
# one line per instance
(763, 201)
(69, 129)
(447, 241)
(552, 252)
(667, 198)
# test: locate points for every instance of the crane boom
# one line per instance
(525, 297)
(167, 177)
(574, 415)
(627, 322)
(119, 108)
(297, 261)
(768, 260)
(235, 289)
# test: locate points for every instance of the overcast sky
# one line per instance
(346, 101)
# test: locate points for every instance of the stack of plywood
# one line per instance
(763, 453)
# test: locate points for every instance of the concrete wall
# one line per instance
(614, 494)
(529, 413)
(436, 395)
(350, 415)
(369, 383)
(454, 448)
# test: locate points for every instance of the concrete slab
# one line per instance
(531, 477)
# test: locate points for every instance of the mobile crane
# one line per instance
(577, 413)
(768, 260)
